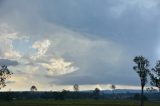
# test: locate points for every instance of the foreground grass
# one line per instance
(75, 103)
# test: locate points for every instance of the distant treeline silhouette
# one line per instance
(29, 95)
(49, 95)
(25, 95)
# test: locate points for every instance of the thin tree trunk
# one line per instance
(142, 101)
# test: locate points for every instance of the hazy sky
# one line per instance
(54, 44)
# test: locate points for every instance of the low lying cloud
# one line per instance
(8, 62)
(11, 82)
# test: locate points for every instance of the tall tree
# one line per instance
(142, 70)
(4, 74)
(155, 75)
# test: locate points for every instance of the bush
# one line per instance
(6, 96)
(137, 96)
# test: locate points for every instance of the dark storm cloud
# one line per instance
(8, 62)
(90, 16)
(132, 24)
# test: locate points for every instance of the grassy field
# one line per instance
(75, 103)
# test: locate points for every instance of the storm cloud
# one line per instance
(79, 41)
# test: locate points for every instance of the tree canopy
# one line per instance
(4, 74)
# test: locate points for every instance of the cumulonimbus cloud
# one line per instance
(59, 67)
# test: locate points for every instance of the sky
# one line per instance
(54, 44)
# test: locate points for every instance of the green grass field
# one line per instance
(75, 103)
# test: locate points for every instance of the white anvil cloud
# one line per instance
(59, 67)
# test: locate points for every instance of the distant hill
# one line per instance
(121, 91)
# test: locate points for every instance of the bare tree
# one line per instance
(4, 74)
(155, 75)
(142, 70)
(76, 87)
(33, 88)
